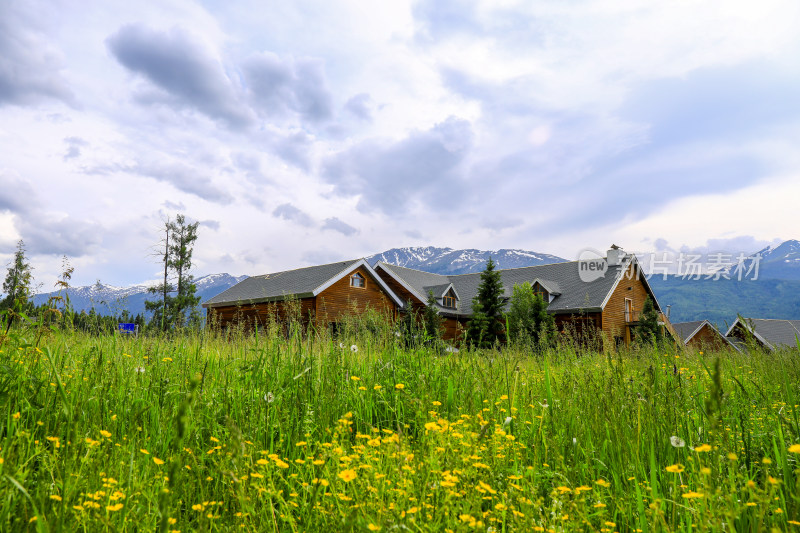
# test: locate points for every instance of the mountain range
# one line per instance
(775, 294)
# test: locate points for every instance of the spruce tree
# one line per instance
(177, 291)
(648, 329)
(432, 320)
(183, 237)
(17, 285)
(485, 327)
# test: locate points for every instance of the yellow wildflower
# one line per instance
(794, 448)
(158, 461)
(115, 507)
(347, 475)
(703, 448)
(693, 494)
(399, 386)
(675, 469)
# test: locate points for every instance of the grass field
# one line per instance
(275, 433)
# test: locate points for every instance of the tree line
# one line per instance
(174, 305)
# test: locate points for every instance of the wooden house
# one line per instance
(611, 303)
(319, 295)
(769, 334)
(701, 335)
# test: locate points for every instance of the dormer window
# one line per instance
(357, 280)
(538, 290)
(449, 302)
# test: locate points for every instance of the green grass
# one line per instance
(269, 432)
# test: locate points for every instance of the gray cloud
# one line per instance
(501, 222)
(359, 107)
(48, 235)
(423, 167)
(179, 65)
(212, 224)
(294, 149)
(292, 214)
(29, 66)
(182, 177)
(16, 194)
(74, 145)
(334, 224)
(176, 206)
(284, 87)
(414, 234)
(251, 165)
(321, 257)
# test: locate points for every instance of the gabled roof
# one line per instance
(575, 295)
(550, 286)
(687, 330)
(440, 290)
(298, 283)
(773, 333)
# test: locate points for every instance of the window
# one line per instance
(357, 280)
(628, 310)
(449, 301)
(538, 290)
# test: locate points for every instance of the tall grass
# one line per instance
(277, 430)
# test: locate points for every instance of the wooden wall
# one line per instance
(329, 306)
(259, 315)
(341, 299)
(708, 339)
(613, 319)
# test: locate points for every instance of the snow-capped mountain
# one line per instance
(449, 261)
(780, 262)
(107, 299)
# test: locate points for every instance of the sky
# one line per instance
(305, 132)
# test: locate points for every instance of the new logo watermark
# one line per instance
(592, 265)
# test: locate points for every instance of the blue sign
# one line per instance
(127, 328)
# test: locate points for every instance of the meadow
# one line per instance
(272, 431)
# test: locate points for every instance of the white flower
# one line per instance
(574, 441)
(507, 422)
(354, 348)
(677, 442)
(269, 397)
(139, 370)
(451, 349)
(341, 345)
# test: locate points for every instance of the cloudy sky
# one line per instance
(303, 132)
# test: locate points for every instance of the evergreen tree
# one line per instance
(648, 329)
(485, 327)
(178, 245)
(183, 237)
(432, 320)
(17, 285)
(528, 317)
(478, 326)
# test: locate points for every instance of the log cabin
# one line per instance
(610, 303)
(766, 333)
(701, 335)
(319, 295)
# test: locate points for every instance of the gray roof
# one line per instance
(686, 330)
(777, 333)
(438, 290)
(300, 283)
(576, 294)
